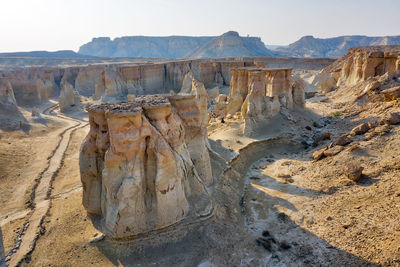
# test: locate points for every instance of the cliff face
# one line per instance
(361, 64)
(229, 44)
(260, 93)
(142, 164)
(34, 85)
(117, 81)
(308, 46)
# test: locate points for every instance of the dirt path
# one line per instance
(40, 201)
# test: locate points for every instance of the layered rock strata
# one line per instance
(117, 81)
(361, 64)
(145, 164)
(260, 93)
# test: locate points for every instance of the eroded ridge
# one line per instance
(145, 164)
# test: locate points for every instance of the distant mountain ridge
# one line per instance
(46, 54)
(229, 44)
(308, 46)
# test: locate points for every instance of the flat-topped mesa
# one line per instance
(259, 93)
(145, 165)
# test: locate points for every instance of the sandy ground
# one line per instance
(24, 155)
(305, 213)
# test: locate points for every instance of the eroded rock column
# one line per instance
(140, 164)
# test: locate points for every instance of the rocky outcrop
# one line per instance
(145, 164)
(7, 98)
(361, 64)
(260, 93)
(114, 82)
(68, 96)
(32, 85)
(238, 89)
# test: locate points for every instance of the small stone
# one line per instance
(333, 151)
(320, 137)
(318, 154)
(360, 129)
(382, 130)
(353, 147)
(343, 140)
(391, 118)
(284, 245)
(352, 171)
(347, 225)
(98, 238)
(265, 233)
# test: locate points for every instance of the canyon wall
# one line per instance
(145, 164)
(361, 64)
(35, 85)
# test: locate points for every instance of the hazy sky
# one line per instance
(66, 24)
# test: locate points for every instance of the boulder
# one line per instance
(391, 118)
(318, 137)
(380, 130)
(352, 171)
(343, 140)
(360, 129)
(383, 129)
(333, 151)
(318, 154)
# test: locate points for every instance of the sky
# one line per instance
(27, 25)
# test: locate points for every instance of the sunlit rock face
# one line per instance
(33, 85)
(361, 64)
(259, 94)
(145, 164)
(7, 99)
(238, 89)
(68, 96)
